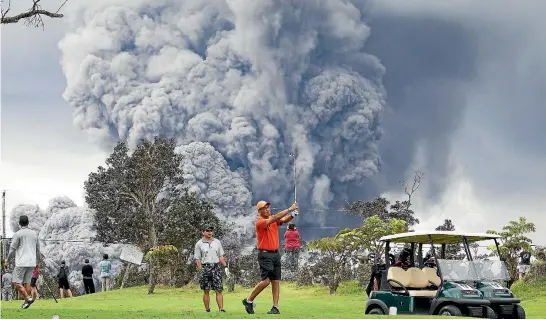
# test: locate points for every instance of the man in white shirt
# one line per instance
(25, 248)
(208, 255)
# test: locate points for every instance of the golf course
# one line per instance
(296, 302)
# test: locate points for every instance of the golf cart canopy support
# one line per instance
(438, 237)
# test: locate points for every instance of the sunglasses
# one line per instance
(208, 230)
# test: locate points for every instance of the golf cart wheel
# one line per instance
(376, 311)
(450, 311)
(490, 313)
(519, 312)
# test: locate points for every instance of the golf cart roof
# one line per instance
(438, 237)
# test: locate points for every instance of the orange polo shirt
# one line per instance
(267, 236)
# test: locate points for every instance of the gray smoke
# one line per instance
(252, 80)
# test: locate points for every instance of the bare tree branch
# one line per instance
(417, 176)
(32, 17)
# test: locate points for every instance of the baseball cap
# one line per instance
(262, 204)
(208, 227)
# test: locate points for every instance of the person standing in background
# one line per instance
(209, 258)
(524, 263)
(292, 246)
(62, 277)
(7, 289)
(105, 272)
(87, 273)
(34, 291)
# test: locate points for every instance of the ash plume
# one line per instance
(251, 80)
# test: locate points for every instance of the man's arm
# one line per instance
(280, 215)
(286, 219)
(13, 247)
(197, 255)
(221, 254)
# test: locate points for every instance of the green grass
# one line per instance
(533, 298)
(295, 302)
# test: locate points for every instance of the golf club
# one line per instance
(47, 285)
(296, 212)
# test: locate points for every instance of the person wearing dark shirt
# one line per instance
(524, 263)
(87, 273)
(403, 259)
(62, 278)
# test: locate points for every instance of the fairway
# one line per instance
(296, 302)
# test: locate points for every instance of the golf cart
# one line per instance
(440, 286)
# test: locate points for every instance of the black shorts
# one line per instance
(33, 282)
(270, 265)
(211, 277)
(63, 284)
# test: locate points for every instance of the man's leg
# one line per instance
(220, 300)
(258, 289)
(276, 284)
(206, 300)
(276, 291)
(18, 279)
(218, 287)
(28, 288)
(205, 285)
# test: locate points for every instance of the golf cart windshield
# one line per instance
(457, 270)
(477, 270)
(491, 270)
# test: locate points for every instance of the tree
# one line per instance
(383, 209)
(367, 237)
(140, 199)
(476, 255)
(540, 253)
(32, 17)
(453, 251)
(335, 256)
(514, 240)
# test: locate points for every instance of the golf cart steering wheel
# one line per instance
(406, 292)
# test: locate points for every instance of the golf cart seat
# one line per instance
(414, 280)
(432, 276)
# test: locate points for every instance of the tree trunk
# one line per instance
(152, 266)
(126, 275)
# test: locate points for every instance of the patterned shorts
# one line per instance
(211, 277)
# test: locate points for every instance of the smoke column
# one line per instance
(247, 82)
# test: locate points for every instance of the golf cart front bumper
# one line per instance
(504, 306)
(474, 307)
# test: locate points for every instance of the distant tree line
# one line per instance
(140, 198)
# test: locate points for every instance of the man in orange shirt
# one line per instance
(269, 259)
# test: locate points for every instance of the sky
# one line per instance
(464, 103)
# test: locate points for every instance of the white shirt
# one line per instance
(25, 246)
(208, 252)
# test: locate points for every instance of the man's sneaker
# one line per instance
(274, 310)
(249, 306)
(222, 310)
(27, 303)
(207, 310)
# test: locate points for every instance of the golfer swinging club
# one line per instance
(269, 259)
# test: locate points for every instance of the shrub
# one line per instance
(537, 274)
